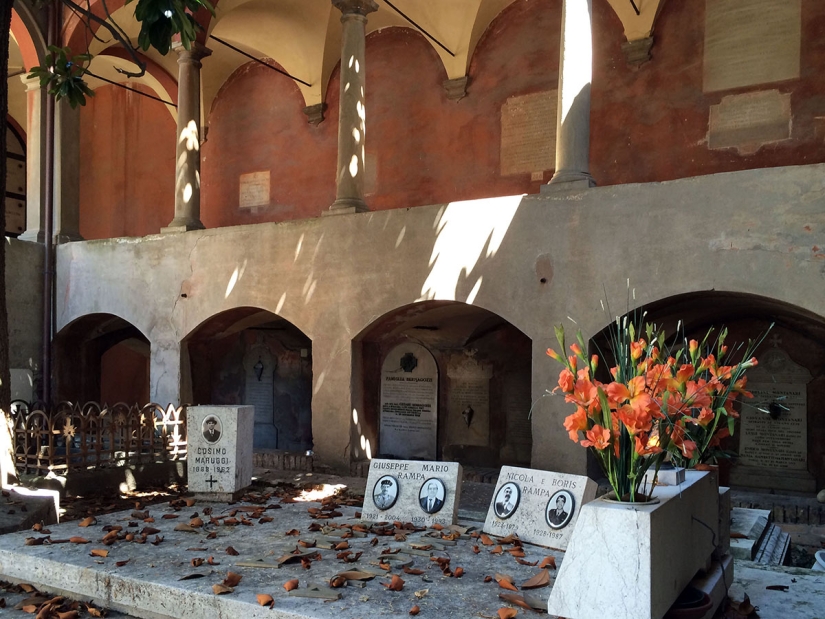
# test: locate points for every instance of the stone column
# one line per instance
(573, 117)
(349, 192)
(188, 160)
(35, 159)
(66, 173)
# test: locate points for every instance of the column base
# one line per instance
(182, 224)
(346, 206)
(567, 180)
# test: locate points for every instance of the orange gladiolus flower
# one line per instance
(647, 445)
(577, 350)
(575, 423)
(566, 381)
(597, 437)
(635, 421)
(554, 355)
(636, 349)
(678, 437)
(696, 394)
(584, 394)
(705, 417)
(717, 438)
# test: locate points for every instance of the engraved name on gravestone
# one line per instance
(541, 507)
(751, 42)
(219, 449)
(409, 403)
(469, 401)
(749, 121)
(424, 493)
(775, 422)
(528, 133)
(254, 189)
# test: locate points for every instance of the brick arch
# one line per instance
(31, 45)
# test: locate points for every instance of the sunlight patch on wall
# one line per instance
(463, 231)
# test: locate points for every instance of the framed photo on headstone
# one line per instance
(385, 492)
(431, 495)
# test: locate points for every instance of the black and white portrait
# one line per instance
(211, 429)
(385, 492)
(506, 501)
(560, 509)
(431, 495)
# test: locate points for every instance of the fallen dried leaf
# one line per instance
(476, 549)
(99, 552)
(542, 579)
(232, 551)
(396, 584)
(186, 528)
(196, 562)
(485, 539)
(221, 589)
(211, 561)
(415, 610)
(232, 579)
(78, 540)
(497, 550)
(777, 587)
(527, 563)
(515, 599)
(289, 585)
(87, 522)
(265, 600)
(122, 563)
(459, 572)
(548, 562)
(488, 579)
(169, 516)
(411, 571)
(507, 613)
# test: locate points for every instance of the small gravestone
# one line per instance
(424, 493)
(541, 507)
(219, 450)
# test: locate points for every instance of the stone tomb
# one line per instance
(540, 506)
(219, 450)
(424, 493)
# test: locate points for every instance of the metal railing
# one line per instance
(73, 436)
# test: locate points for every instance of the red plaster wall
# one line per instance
(425, 148)
(650, 124)
(127, 145)
(257, 124)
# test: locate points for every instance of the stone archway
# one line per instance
(780, 451)
(482, 384)
(251, 356)
(101, 358)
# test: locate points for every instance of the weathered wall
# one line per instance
(756, 232)
(24, 299)
(127, 146)
(651, 124)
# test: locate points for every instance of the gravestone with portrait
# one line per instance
(219, 450)
(773, 439)
(424, 493)
(541, 507)
(409, 403)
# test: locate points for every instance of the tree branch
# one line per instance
(124, 41)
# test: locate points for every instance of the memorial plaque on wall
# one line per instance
(469, 401)
(751, 42)
(424, 493)
(749, 121)
(259, 371)
(254, 189)
(528, 133)
(409, 403)
(541, 507)
(774, 426)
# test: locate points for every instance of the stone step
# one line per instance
(747, 528)
(774, 546)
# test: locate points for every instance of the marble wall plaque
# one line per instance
(254, 189)
(424, 493)
(468, 421)
(780, 443)
(409, 403)
(219, 454)
(259, 392)
(528, 133)
(751, 42)
(749, 121)
(540, 506)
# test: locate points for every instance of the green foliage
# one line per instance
(161, 20)
(62, 75)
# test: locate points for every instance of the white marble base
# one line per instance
(632, 562)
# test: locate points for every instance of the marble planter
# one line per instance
(631, 561)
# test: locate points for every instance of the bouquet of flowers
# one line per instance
(660, 400)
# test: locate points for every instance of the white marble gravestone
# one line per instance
(541, 507)
(468, 419)
(219, 454)
(424, 493)
(409, 403)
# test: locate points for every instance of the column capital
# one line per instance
(193, 55)
(355, 7)
(31, 83)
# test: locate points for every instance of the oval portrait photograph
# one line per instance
(560, 509)
(506, 501)
(385, 492)
(211, 428)
(431, 495)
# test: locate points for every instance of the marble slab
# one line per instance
(542, 507)
(219, 450)
(651, 550)
(424, 493)
(748, 121)
(528, 133)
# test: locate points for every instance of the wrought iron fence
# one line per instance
(73, 436)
